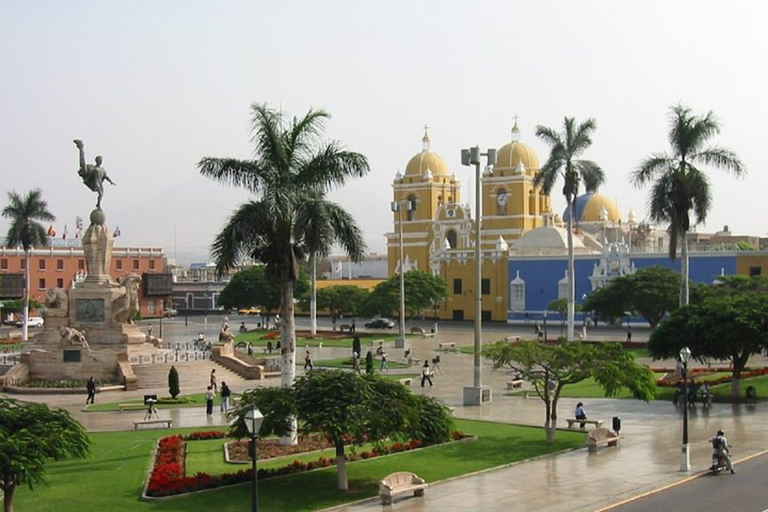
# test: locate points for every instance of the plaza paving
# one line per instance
(648, 456)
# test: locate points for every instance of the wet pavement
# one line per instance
(648, 455)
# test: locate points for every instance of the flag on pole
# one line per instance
(117, 232)
(51, 231)
(338, 267)
(64, 234)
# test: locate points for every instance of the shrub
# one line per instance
(173, 382)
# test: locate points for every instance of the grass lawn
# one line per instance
(196, 400)
(112, 476)
(346, 363)
(253, 337)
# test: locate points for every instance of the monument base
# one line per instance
(477, 395)
(400, 342)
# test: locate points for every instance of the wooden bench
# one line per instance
(596, 423)
(600, 436)
(447, 345)
(167, 423)
(515, 384)
(131, 407)
(406, 381)
(400, 483)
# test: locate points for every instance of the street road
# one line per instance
(744, 492)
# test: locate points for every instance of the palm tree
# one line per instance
(680, 186)
(26, 231)
(565, 147)
(291, 217)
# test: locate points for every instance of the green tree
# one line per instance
(173, 382)
(560, 306)
(680, 186)
(729, 322)
(291, 170)
(551, 367)
(31, 435)
(565, 148)
(340, 300)
(348, 408)
(422, 291)
(25, 230)
(651, 292)
(253, 286)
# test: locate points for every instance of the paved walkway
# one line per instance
(648, 456)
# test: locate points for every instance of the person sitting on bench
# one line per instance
(580, 414)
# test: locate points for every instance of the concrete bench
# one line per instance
(131, 407)
(400, 483)
(345, 327)
(447, 345)
(512, 338)
(420, 331)
(596, 423)
(600, 436)
(405, 381)
(515, 384)
(167, 423)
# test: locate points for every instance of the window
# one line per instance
(119, 264)
(457, 314)
(135, 264)
(80, 264)
(412, 210)
(59, 264)
(23, 264)
(485, 286)
(457, 286)
(517, 294)
(452, 239)
(151, 264)
(4, 264)
(59, 282)
(152, 307)
(486, 316)
(41, 264)
(41, 283)
(755, 271)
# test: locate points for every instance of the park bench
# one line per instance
(167, 423)
(422, 332)
(600, 436)
(515, 384)
(400, 483)
(345, 327)
(596, 423)
(406, 381)
(447, 345)
(131, 407)
(512, 338)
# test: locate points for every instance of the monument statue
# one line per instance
(125, 306)
(93, 175)
(56, 302)
(72, 337)
(226, 335)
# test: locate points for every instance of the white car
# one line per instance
(34, 321)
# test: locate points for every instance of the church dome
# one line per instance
(426, 161)
(511, 155)
(546, 238)
(589, 208)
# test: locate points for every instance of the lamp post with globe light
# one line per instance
(253, 421)
(685, 355)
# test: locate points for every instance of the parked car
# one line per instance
(34, 321)
(249, 311)
(380, 323)
(170, 312)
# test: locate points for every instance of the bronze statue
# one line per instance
(93, 175)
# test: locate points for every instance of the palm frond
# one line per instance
(652, 166)
(247, 234)
(238, 173)
(548, 135)
(591, 173)
(699, 191)
(721, 158)
(332, 166)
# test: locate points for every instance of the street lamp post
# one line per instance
(398, 207)
(685, 355)
(545, 325)
(477, 393)
(253, 421)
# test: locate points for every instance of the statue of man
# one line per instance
(93, 175)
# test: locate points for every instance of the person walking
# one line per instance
(91, 388)
(356, 363)
(212, 382)
(225, 394)
(629, 334)
(384, 361)
(308, 361)
(209, 401)
(580, 414)
(426, 374)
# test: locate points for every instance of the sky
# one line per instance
(154, 87)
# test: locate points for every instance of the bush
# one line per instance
(435, 423)
(173, 382)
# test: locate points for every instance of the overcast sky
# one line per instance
(156, 86)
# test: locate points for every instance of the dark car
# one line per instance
(380, 323)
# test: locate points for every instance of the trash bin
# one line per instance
(616, 424)
(751, 392)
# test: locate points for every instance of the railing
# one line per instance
(171, 356)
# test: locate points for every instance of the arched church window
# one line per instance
(532, 203)
(412, 209)
(450, 235)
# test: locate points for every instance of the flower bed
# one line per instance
(670, 380)
(168, 475)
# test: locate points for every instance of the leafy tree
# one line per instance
(348, 408)
(253, 286)
(25, 230)
(551, 367)
(680, 187)
(357, 347)
(651, 292)
(290, 172)
(340, 300)
(173, 382)
(31, 435)
(560, 306)
(565, 148)
(16, 306)
(422, 290)
(728, 323)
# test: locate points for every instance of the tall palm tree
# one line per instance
(25, 230)
(565, 147)
(291, 218)
(680, 186)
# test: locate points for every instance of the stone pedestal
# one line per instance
(477, 395)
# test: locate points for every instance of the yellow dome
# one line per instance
(589, 208)
(514, 153)
(426, 160)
